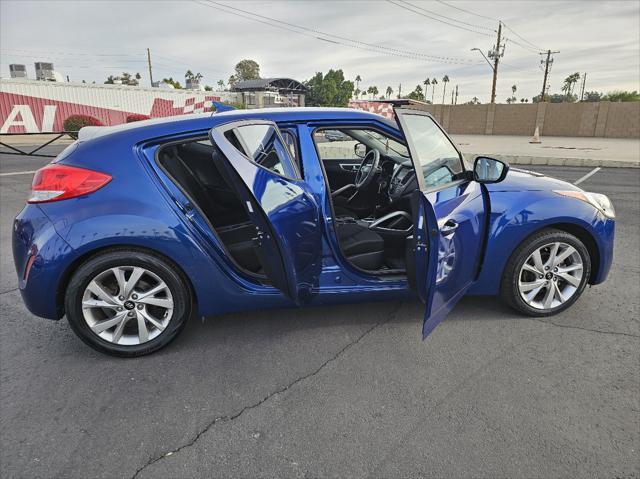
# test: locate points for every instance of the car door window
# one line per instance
(334, 145)
(340, 144)
(437, 157)
(264, 146)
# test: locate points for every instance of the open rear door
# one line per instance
(256, 162)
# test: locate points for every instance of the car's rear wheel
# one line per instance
(546, 274)
(127, 302)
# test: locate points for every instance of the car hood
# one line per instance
(524, 180)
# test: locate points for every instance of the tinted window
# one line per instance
(290, 140)
(262, 144)
(434, 153)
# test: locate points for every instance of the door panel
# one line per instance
(425, 249)
(459, 212)
(283, 210)
(341, 172)
(455, 223)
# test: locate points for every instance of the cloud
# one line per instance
(93, 39)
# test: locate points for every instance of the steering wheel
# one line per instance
(368, 169)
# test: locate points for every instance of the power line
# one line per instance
(467, 11)
(437, 19)
(331, 35)
(328, 37)
(515, 42)
(537, 48)
(482, 27)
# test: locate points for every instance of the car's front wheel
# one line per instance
(546, 274)
(127, 302)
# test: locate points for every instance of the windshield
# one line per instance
(386, 145)
(431, 149)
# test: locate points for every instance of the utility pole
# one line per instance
(399, 91)
(547, 63)
(149, 62)
(456, 102)
(495, 55)
(584, 80)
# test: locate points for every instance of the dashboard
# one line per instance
(403, 182)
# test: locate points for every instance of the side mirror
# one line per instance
(360, 149)
(489, 170)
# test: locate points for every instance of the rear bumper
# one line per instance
(40, 256)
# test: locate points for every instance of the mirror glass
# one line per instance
(360, 150)
(488, 170)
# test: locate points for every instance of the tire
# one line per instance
(140, 326)
(519, 282)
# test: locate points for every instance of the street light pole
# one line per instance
(495, 55)
(493, 68)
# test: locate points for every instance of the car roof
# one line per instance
(199, 121)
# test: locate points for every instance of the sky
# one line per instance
(92, 39)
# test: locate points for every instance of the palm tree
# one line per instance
(513, 91)
(389, 91)
(356, 92)
(426, 83)
(569, 82)
(445, 80)
(434, 82)
(374, 91)
(221, 84)
(358, 80)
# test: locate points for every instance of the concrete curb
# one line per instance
(553, 161)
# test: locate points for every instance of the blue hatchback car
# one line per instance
(133, 229)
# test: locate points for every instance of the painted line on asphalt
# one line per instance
(16, 173)
(587, 176)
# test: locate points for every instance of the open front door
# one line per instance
(257, 164)
(449, 217)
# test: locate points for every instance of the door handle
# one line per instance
(449, 228)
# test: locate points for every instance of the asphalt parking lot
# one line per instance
(346, 391)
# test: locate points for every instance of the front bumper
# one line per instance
(604, 234)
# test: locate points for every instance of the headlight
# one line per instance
(601, 202)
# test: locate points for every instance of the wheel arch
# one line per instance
(587, 239)
(65, 278)
(576, 230)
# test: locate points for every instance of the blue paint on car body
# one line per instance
(141, 208)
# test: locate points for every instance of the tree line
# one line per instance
(333, 89)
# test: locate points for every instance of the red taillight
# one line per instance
(59, 182)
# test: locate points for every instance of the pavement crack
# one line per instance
(566, 326)
(9, 291)
(222, 419)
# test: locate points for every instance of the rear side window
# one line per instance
(263, 145)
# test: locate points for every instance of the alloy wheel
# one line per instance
(550, 276)
(127, 305)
